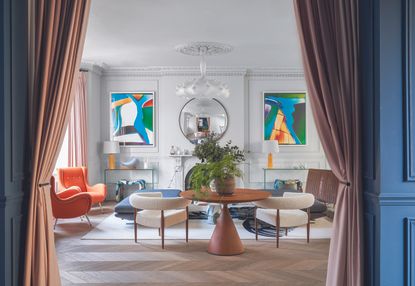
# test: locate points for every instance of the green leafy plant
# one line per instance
(210, 150)
(217, 163)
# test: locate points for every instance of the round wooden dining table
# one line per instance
(225, 239)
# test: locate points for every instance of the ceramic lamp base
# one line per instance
(111, 161)
(270, 163)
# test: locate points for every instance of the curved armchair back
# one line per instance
(72, 176)
(154, 201)
(287, 202)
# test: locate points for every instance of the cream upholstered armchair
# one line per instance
(159, 212)
(285, 211)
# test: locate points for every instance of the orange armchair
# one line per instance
(77, 177)
(69, 203)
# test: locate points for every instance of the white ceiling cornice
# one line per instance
(279, 73)
(92, 68)
(172, 71)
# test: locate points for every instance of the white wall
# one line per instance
(244, 108)
(94, 136)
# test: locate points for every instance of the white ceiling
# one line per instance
(139, 33)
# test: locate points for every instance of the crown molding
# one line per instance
(211, 71)
(277, 73)
(172, 71)
(139, 72)
(92, 68)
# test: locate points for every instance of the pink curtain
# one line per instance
(59, 33)
(77, 127)
(329, 40)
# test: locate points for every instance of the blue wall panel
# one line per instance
(13, 98)
(410, 251)
(389, 194)
(409, 89)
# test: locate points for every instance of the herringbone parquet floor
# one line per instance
(121, 262)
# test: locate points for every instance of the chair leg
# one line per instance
(56, 222)
(162, 229)
(256, 224)
(277, 228)
(308, 226)
(135, 225)
(187, 224)
(286, 231)
(89, 222)
(100, 206)
(159, 232)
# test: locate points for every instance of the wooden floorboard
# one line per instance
(123, 262)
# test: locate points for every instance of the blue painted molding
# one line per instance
(390, 199)
(409, 89)
(410, 251)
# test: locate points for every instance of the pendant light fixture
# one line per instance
(203, 87)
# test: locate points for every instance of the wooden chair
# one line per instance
(159, 212)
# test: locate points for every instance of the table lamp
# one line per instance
(270, 147)
(111, 148)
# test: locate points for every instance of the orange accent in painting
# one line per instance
(280, 131)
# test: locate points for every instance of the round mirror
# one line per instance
(202, 117)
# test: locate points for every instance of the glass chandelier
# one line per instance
(203, 87)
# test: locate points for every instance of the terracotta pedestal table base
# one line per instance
(225, 238)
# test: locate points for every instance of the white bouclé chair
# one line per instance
(159, 212)
(285, 211)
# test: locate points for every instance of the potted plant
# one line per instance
(218, 165)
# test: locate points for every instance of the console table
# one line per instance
(119, 170)
(266, 170)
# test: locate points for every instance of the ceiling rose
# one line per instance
(204, 48)
(203, 87)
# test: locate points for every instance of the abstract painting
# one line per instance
(285, 117)
(132, 116)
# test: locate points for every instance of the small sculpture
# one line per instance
(130, 164)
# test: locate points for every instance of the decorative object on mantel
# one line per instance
(203, 87)
(172, 150)
(202, 117)
(175, 150)
(111, 148)
(285, 117)
(130, 164)
(270, 147)
(132, 118)
(217, 163)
